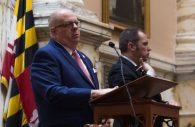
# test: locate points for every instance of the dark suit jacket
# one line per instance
(130, 74)
(61, 89)
(129, 71)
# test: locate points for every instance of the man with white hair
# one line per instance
(63, 78)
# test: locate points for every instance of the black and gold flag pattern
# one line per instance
(20, 108)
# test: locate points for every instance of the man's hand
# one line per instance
(145, 68)
(100, 92)
(142, 67)
(173, 102)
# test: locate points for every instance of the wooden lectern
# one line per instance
(117, 103)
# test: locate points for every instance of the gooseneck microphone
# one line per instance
(112, 45)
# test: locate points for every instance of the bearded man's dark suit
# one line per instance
(130, 74)
(62, 91)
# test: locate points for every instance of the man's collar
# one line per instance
(129, 60)
(65, 47)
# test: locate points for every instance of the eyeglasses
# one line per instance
(69, 24)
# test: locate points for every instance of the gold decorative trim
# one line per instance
(147, 17)
(105, 11)
(105, 15)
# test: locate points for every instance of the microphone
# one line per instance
(112, 45)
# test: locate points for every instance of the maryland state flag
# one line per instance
(20, 108)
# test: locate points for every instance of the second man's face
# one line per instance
(143, 49)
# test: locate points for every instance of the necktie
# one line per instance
(77, 58)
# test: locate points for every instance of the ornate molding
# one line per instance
(185, 53)
(93, 32)
(107, 54)
(185, 38)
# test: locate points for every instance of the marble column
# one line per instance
(185, 51)
(185, 61)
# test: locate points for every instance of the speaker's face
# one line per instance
(142, 47)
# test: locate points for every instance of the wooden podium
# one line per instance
(117, 102)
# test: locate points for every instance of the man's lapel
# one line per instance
(69, 59)
(90, 70)
(131, 67)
